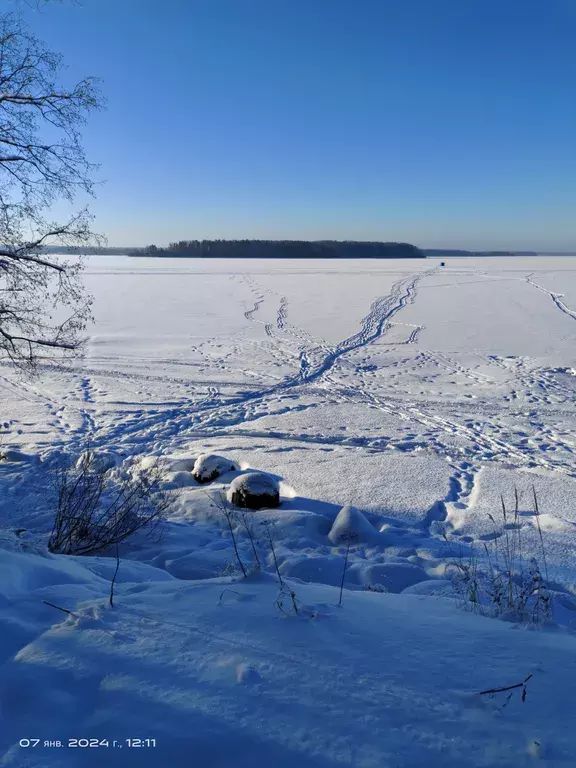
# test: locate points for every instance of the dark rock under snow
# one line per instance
(208, 467)
(254, 490)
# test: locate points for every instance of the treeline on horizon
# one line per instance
(431, 252)
(285, 249)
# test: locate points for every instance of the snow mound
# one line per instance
(198, 565)
(550, 523)
(101, 461)
(208, 467)
(178, 480)
(351, 524)
(21, 540)
(182, 465)
(254, 490)
(314, 569)
(396, 577)
(151, 462)
(438, 587)
(246, 673)
(21, 573)
(129, 572)
(11, 455)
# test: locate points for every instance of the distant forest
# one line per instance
(438, 252)
(284, 249)
(293, 249)
(88, 250)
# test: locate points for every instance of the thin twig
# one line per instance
(114, 578)
(345, 566)
(506, 687)
(65, 610)
(224, 592)
(537, 509)
(267, 527)
(248, 529)
(228, 514)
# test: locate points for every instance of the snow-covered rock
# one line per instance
(208, 467)
(351, 524)
(254, 490)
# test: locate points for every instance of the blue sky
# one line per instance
(440, 122)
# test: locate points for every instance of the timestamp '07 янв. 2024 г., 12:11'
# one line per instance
(90, 743)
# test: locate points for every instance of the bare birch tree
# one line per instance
(43, 306)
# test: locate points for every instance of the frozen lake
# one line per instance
(387, 384)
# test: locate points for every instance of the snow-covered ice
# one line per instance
(393, 399)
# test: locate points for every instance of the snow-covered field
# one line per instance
(417, 394)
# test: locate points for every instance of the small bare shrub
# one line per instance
(466, 577)
(374, 587)
(286, 600)
(97, 509)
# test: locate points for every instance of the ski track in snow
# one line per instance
(413, 338)
(249, 315)
(554, 296)
(281, 327)
(373, 325)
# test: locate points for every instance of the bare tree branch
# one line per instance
(41, 161)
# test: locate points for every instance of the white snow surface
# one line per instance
(395, 398)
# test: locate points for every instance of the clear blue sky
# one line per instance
(439, 122)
